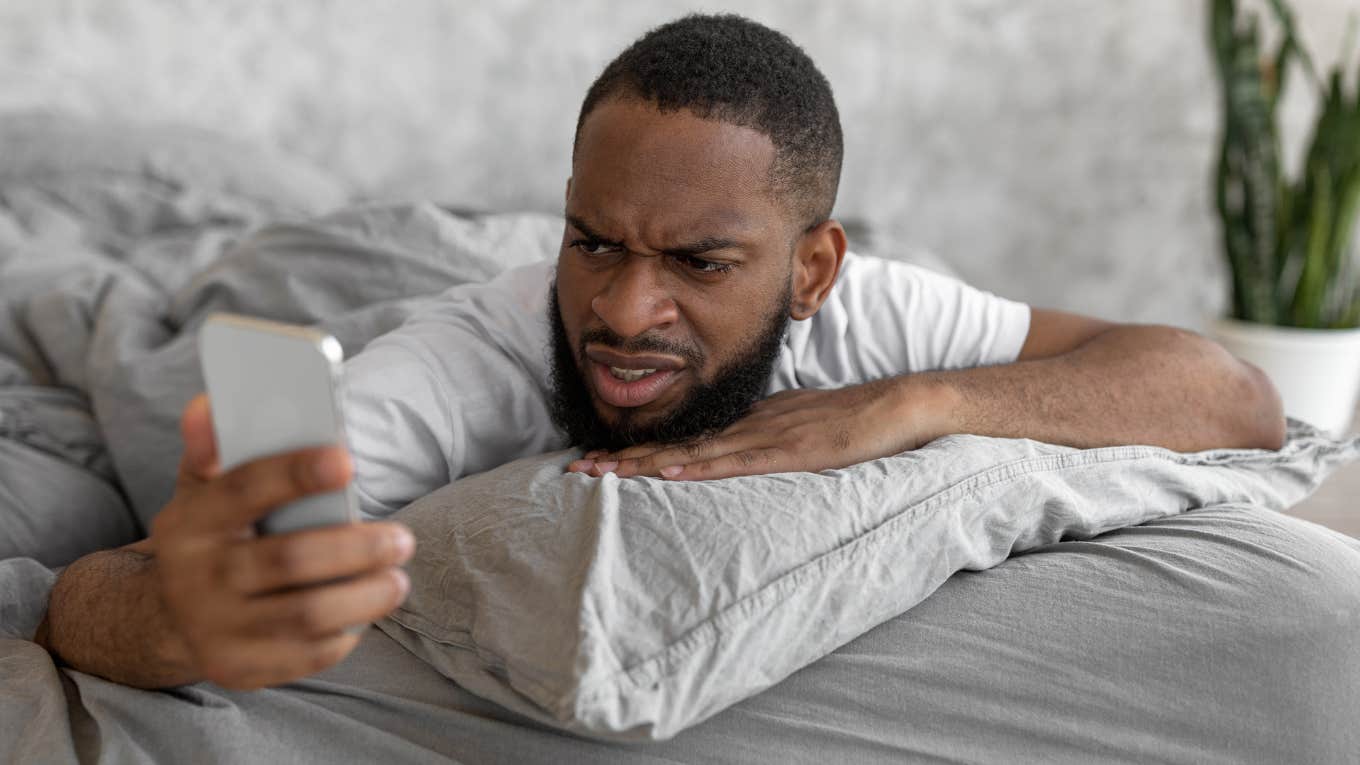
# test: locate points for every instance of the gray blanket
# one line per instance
(1223, 634)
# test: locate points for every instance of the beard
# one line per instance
(706, 409)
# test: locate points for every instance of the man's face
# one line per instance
(674, 279)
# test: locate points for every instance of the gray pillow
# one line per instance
(635, 608)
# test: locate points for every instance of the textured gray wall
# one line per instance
(1057, 151)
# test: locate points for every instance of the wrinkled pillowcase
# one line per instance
(635, 608)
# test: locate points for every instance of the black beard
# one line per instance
(706, 409)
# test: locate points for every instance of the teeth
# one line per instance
(630, 375)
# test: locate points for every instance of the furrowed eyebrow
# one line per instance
(700, 247)
(707, 244)
(581, 226)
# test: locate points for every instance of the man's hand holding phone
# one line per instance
(252, 611)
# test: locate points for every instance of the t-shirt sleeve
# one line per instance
(885, 318)
(399, 426)
(457, 389)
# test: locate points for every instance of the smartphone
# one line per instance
(275, 388)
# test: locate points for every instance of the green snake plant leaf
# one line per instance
(1310, 297)
(1290, 39)
(1290, 245)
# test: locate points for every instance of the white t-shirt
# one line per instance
(463, 386)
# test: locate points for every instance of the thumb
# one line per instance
(200, 443)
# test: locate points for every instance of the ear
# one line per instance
(816, 262)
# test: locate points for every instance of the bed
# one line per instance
(1181, 618)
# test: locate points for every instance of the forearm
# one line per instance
(105, 618)
(1128, 385)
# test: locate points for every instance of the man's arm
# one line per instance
(105, 618)
(1088, 383)
(205, 599)
(1078, 381)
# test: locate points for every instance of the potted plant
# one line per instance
(1290, 243)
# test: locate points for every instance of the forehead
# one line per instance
(635, 164)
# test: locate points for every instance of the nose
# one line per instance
(635, 298)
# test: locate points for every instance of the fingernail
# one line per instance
(403, 583)
(671, 471)
(579, 466)
(330, 469)
(403, 542)
(605, 467)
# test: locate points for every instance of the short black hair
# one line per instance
(729, 68)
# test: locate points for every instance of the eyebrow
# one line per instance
(699, 247)
(590, 233)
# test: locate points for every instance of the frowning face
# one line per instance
(676, 277)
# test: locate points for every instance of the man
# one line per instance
(699, 270)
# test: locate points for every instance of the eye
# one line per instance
(594, 247)
(699, 265)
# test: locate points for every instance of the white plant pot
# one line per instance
(1317, 371)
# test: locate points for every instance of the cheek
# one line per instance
(749, 316)
(573, 298)
(723, 329)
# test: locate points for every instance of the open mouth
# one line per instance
(626, 388)
(631, 381)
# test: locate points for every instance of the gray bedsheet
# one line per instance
(1225, 634)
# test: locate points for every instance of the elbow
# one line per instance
(1261, 422)
(1241, 407)
(1247, 410)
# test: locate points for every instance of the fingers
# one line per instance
(600, 461)
(251, 641)
(604, 462)
(321, 555)
(738, 463)
(767, 419)
(737, 453)
(668, 462)
(659, 460)
(246, 666)
(264, 611)
(200, 443)
(323, 610)
(247, 493)
(261, 611)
